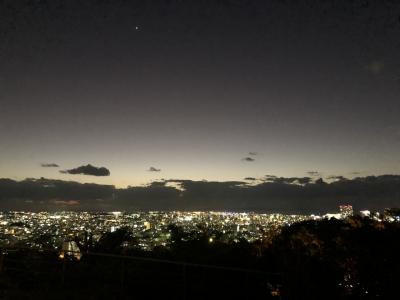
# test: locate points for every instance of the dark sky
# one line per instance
(186, 89)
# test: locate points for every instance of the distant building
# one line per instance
(70, 249)
(365, 213)
(147, 225)
(346, 210)
(335, 216)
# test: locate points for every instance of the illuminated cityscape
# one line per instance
(149, 229)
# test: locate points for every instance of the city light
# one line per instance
(61, 230)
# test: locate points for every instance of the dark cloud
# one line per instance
(320, 181)
(288, 180)
(335, 177)
(253, 153)
(313, 173)
(49, 165)
(249, 159)
(88, 170)
(153, 169)
(49, 194)
(284, 195)
(250, 178)
(355, 173)
(304, 180)
(66, 202)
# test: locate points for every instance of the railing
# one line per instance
(120, 277)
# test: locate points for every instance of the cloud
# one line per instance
(152, 169)
(336, 177)
(88, 170)
(288, 180)
(46, 194)
(253, 153)
(283, 195)
(355, 173)
(250, 178)
(314, 173)
(66, 202)
(304, 180)
(49, 165)
(249, 159)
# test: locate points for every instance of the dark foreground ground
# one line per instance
(352, 259)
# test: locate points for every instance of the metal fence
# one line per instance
(43, 275)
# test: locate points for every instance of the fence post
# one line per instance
(63, 272)
(1, 262)
(184, 280)
(122, 274)
(246, 290)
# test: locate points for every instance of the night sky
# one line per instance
(214, 90)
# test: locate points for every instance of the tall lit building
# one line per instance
(346, 210)
(147, 225)
(70, 248)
